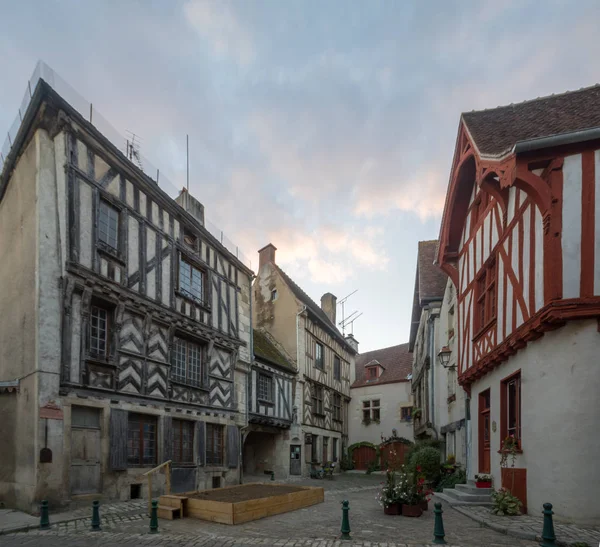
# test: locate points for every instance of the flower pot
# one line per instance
(483, 484)
(411, 510)
(393, 509)
(424, 505)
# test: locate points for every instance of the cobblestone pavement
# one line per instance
(316, 526)
(530, 526)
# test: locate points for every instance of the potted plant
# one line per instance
(411, 507)
(391, 495)
(416, 413)
(483, 480)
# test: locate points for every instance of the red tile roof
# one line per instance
(395, 360)
(497, 130)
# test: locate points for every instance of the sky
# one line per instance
(324, 127)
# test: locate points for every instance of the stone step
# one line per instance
(471, 489)
(456, 501)
(466, 497)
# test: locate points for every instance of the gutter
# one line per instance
(557, 140)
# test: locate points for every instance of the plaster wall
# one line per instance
(267, 452)
(560, 409)
(392, 398)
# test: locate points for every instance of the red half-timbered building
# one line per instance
(520, 239)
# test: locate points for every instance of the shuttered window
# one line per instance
(141, 440)
(214, 444)
(183, 441)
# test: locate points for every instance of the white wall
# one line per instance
(392, 397)
(560, 375)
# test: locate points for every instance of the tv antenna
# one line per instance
(351, 318)
(133, 149)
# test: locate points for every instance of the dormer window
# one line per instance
(373, 370)
(373, 373)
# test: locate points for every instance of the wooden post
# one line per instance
(168, 478)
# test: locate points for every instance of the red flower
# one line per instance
(418, 468)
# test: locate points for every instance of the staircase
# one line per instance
(172, 507)
(466, 494)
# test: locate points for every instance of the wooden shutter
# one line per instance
(118, 439)
(201, 442)
(167, 438)
(233, 445)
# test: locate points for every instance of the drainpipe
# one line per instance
(300, 410)
(248, 387)
(434, 314)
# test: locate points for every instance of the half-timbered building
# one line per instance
(123, 322)
(520, 239)
(270, 411)
(322, 355)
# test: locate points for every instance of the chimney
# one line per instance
(328, 305)
(353, 342)
(191, 205)
(266, 255)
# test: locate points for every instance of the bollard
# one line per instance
(154, 518)
(95, 516)
(548, 537)
(345, 521)
(44, 518)
(438, 527)
(272, 475)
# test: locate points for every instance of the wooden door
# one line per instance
(325, 450)
(484, 431)
(295, 461)
(363, 456)
(85, 450)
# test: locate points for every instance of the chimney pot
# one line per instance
(328, 305)
(266, 255)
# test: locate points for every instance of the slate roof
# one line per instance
(496, 131)
(395, 360)
(430, 283)
(265, 349)
(314, 309)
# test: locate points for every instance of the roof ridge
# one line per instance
(382, 349)
(542, 98)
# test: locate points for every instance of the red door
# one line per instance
(484, 431)
(362, 456)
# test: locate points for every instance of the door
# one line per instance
(295, 461)
(85, 450)
(325, 450)
(484, 431)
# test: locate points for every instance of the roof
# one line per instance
(430, 284)
(265, 349)
(396, 362)
(315, 310)
(496, 131)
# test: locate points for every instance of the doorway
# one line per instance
(85, 450)
(484, 431)
(295, 461)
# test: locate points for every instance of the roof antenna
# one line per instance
(133, 149)
(351, 318)
(187, 161)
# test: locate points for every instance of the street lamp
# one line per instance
(444, 358)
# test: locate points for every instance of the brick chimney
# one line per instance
(352, 341)
(191, 205)
(266, 255)
(328, 305)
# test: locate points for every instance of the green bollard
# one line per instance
(44, 519)
(345, 521)
(154, 518)
(438, 527)
(272, 475)
(95, 516)
(548, 536)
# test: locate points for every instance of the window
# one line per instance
(319, 355)
(265, 387)
(366, 411)
(141, 439)
(214, 444)
(84, 416)
(372, 373)
(337, 407)
(325, 449)
(273, 295)
(183, 441)
(334, 448)
(510, 421)
(187, 362)
(406, 413)
(371, 411)
(191, 281)
(337, 368)
(314, 452)
(486, 296)
(317, 399)
(375, 413)
(108, 225)
(99, 331)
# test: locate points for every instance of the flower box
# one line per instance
(424, 505)
(392, 509)
(411, 510)
(483, 484)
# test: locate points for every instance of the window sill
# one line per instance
(484, 329)
(186, 384)
(193, 300)
(319, 414)
(111, 253)
(265, 402)
(100, 360)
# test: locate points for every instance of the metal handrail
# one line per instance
(149, 474)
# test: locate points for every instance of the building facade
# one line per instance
(519, 239)
(267, 447)
(381, 405)
(124, 325)
(323, 358)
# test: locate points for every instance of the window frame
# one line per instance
(337, 407)
(337, 368)
(269, 377)
(102, 243)
(376, 408)
(372, 373)
(99, 305)
(319, 359)
(505, 430)
(314, 449)
(176, 377)
(143, 420)
(178, 425)
(317, 397)
(406, 416)
(486, 301)
(213, 431)
(194, 266)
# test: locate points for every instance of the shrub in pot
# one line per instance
(504, 503)
(483, 480)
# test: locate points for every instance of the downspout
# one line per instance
(432, 367)
(298, 410)
(248, 387)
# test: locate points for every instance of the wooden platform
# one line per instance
(186, 505)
